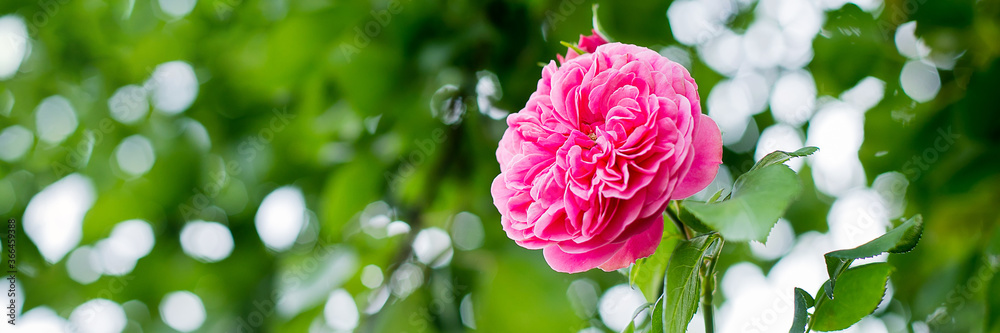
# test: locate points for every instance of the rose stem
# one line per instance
(677, 222)
(708, 311)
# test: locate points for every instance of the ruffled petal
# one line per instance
(707, 149)
(639, 246)
(578, 262)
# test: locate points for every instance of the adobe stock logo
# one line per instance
(12, 270)
(372, 28)
(920, 163)
(409, 163)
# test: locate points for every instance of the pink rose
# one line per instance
(586, 44)
(589, 164)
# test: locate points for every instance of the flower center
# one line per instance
(592, 135)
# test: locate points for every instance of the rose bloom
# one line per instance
(588, 166)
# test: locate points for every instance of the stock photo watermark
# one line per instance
(78, 156)
(49, 8)
(782, 304)
(443, 298)
(960, 295)
(12, 270)
(132, 101)
(409, 163)
(564, 9)
(920, 163)
(262, 309)
(896, 15)
(247, 151)
(225, 8)
(372, 28)
(89, 311)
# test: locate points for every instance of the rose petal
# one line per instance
(578, 262)
(707, 149)
(639, 246)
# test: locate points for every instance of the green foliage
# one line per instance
(657, 317)
(647, 273)
(689, 219)
(631, 327)
(758, 199)
(992, 262)
(572, 46)
(901, 239)
(859, 291)
(683, 280)
(597, 24)
(778, 157)
(993, 302)
(803, 301)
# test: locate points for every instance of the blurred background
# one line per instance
(325, 165)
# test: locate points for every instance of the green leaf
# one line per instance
(715, 197)
(859, 292)
(993, 246)
(778, 157)
(635, 315)
(803, 301)
(647, 273)
(657, 325)
(993, 305)
(683, 281)
(991, 262)
(900, 239)
(573, 47)
(688, 219)
(630, 328)
(758, 199)
(597, 25)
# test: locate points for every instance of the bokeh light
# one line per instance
(53, 219)
(182, 311)
(55, 119)
(206, 241)
(14, 35)
(281, 217)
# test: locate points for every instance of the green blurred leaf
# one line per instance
(993, 247)
(859, 291)
(635, 315)
(853, 49)
(778, 157)
(348, 191)
(657, 317)
(647, 273)
(630, 328)
(715, 197)
(572, 47)
(993, 299)
(758, 199)
(803, 301)
(992, 260)
(683, 281)
(597, 24)
(901, 239)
